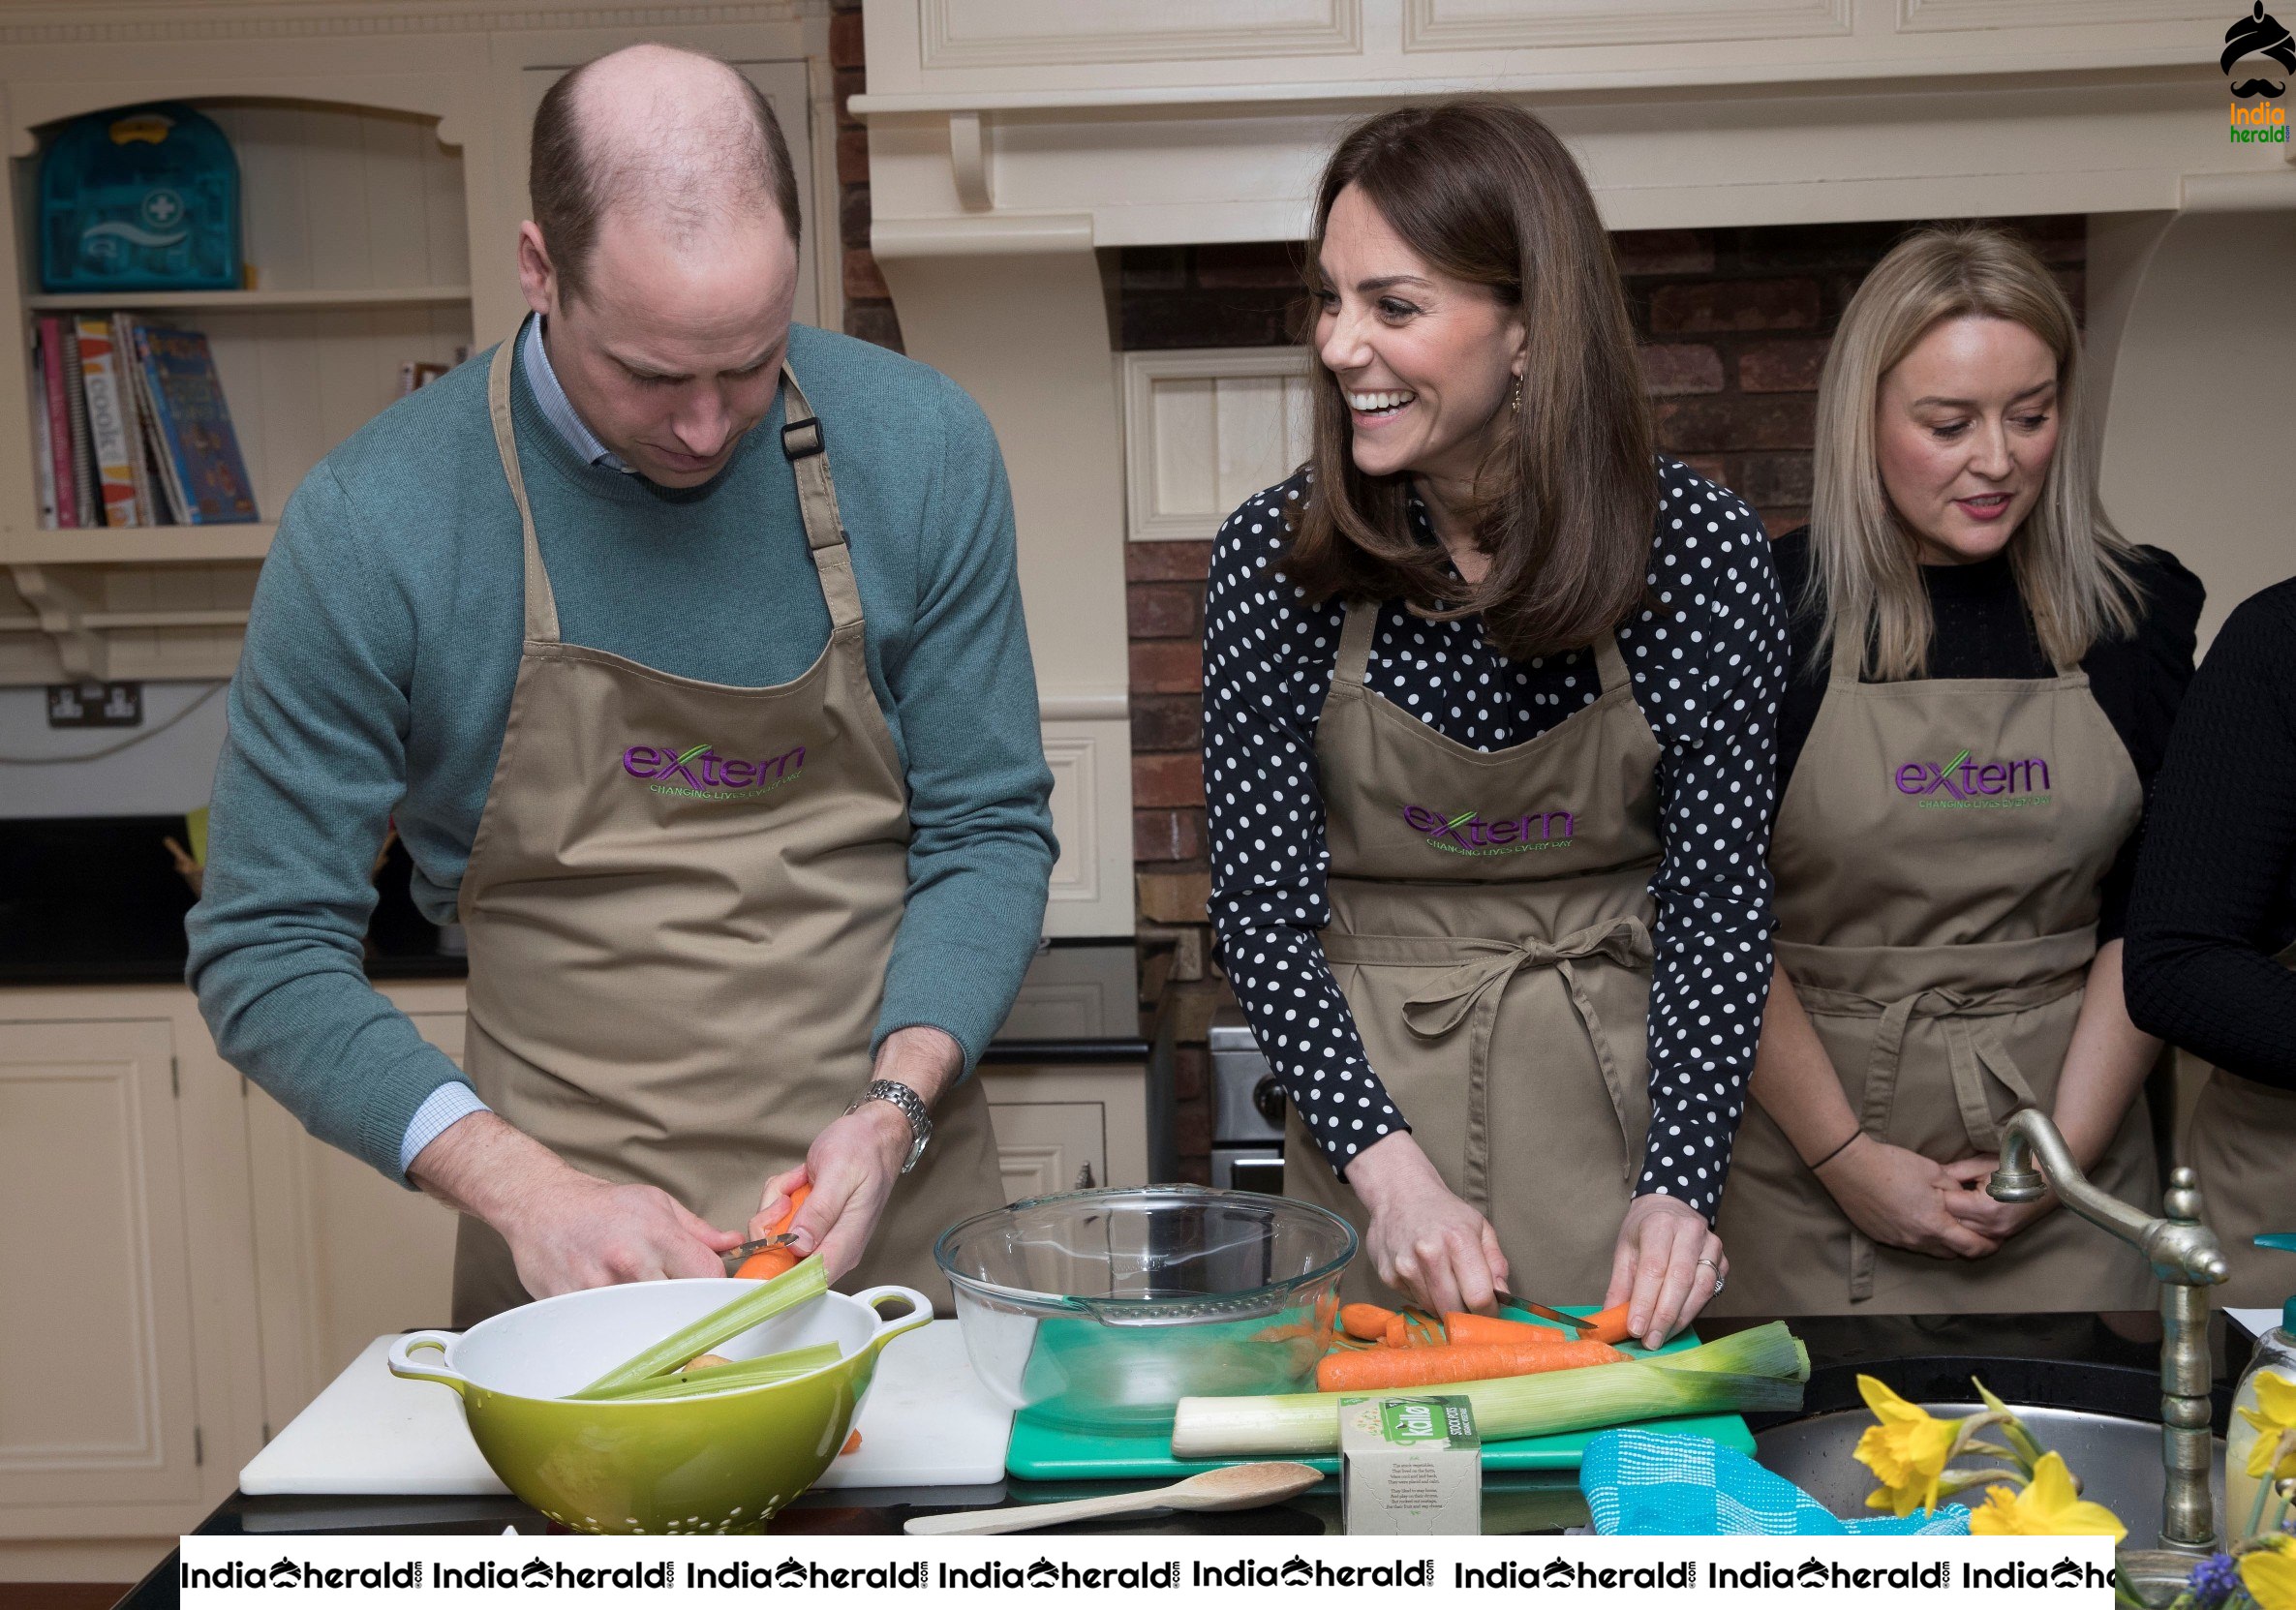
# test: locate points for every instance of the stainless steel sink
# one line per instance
(2117, 1460)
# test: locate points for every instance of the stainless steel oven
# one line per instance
(1247, 1109)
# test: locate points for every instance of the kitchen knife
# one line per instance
(1509, 1299)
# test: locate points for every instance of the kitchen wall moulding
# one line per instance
(1207, 428)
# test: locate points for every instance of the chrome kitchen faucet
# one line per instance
(2186, 1259)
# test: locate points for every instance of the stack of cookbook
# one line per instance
(131, 428)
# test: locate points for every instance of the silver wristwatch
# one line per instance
(912, 1107)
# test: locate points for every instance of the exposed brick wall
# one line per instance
(868, 305)
(1733, 325)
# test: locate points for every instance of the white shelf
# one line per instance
(140, 545)
(249, 301)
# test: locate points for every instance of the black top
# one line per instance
(1983, 629)
(1706, 677)
(2216, 887)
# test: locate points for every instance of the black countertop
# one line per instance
(2107, 1362)
(97, 900)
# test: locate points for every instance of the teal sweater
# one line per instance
(384, 641)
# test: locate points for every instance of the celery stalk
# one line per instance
(1759, 1369)
(725, 1377)
(804, 1284)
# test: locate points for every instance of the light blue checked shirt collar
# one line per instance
(551, 398)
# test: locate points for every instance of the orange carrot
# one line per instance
(1381, 1368)
(1365, 1322)
(777, 1261)
(1483, 1327)
(852, 1445)
(1610, 1325)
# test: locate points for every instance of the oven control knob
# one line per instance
(1268, 1096)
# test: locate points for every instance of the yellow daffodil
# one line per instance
(1907, 1450)
(2269, 1574)
(2274, 1452)
(2048, 1507)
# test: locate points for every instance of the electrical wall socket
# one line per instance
(101, 704)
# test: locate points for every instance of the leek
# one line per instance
(804, 1284)
(1761, 1369)
(725, 1377)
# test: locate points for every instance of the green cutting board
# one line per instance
(1041, 1453)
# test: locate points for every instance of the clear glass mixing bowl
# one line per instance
(1099, 1310)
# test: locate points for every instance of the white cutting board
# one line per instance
(927, 1422)
(2255, 1320)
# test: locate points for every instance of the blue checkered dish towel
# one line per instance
(1656, 1484)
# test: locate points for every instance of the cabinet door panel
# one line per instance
(96, 1396)
(1045, 1147)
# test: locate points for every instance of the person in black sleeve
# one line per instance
(2212, 933)
(1984, 675)
(1489, 694)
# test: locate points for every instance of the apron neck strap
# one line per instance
(802, 442)
(542, 605)
(1353, 660)
(1848, 655)
(806, 445)
(1355, 644)
(1609, 663)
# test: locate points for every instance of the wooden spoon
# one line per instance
(1235, 1487)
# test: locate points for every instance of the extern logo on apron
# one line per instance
(702, 774)
(1467, 833)
(1964, 784)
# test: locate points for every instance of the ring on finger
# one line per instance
(1719, 1280)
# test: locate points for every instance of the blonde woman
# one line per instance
(1985, 674)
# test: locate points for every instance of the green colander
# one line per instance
(721, 1462)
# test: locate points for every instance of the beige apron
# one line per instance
(2242, 1141)
(1938, 920)
(1491, 930)
(680, 901)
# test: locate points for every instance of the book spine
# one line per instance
(132, 422)
(56, 403)
(82, 450)
(43, 463)
(107, 427)
(156, 435)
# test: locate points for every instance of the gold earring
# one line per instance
(1515, 398)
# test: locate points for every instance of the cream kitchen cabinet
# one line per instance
(129, 1362)
(184, 1268)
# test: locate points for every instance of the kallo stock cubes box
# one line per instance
(1410, 1465)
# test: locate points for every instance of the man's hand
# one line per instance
(854, 1163)
(567, 1231)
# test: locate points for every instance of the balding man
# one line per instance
(699, 694)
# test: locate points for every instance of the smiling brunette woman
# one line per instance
(1984, 677)
(1488, 694)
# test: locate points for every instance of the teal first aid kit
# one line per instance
(139, 198)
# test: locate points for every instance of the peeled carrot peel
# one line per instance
(777, 1261)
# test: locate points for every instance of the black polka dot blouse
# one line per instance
(1706, 678)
